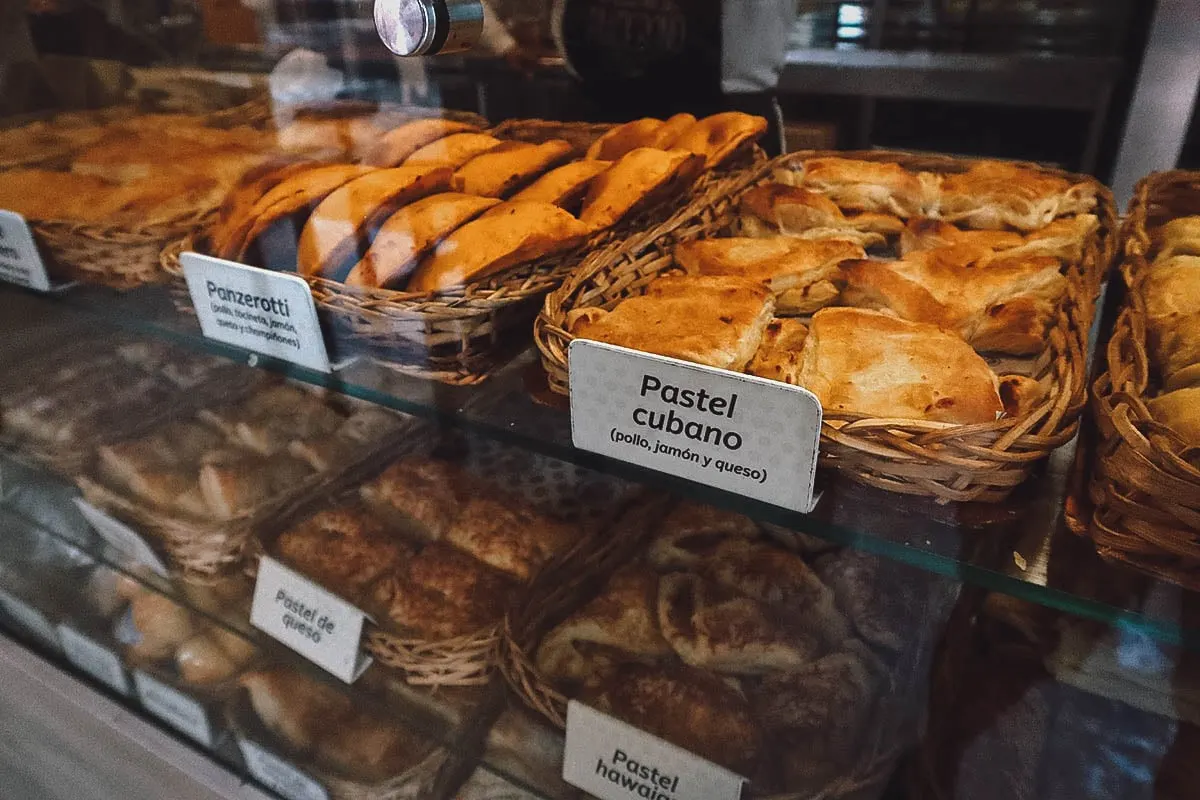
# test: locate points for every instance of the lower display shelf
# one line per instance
(1020, 546)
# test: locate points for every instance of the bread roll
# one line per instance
(507, 235)
(345, 220)
(201, 662)
(399, 143)
(162, 623)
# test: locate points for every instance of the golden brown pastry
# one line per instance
(410, 234)
(234, 485)
(620, 624)
(871, 185)
(344, 550)
(692, 531)
(507, 167)
(123, 156)
(161, 623)
(343, 222)
(1180, 411)
(509, 537)
(509, 234)
(665, 135)
(1179, 237)
(395, 146)
(713, 320)
(418, 496)
(924, 233)
(201, 661)
(253, 184)
(995, 195)
(996, 304)
(719, 136)
(625, 138)
(295, 707)
(716, 629)
(804, 275)
(795, 211)
(865, 362)
(452, 151)
(779, 355)
(690, 708)
(42, 194)
(164, 197)
(364, 429)
(564, 186)
(1171, 290)
(640, 179)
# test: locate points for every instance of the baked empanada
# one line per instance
(564, 186)
(665, 135)
(624, 138)
(713, 320)
(804, 275)
(254, 183)
(865, 362)
(395, 146)
(339, 227)
(719, 136)
(411, 233)
(995, 195)
(639, 180)
(505, 168)
(507, 235)
(452, 151)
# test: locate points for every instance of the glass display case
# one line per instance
(537, 421)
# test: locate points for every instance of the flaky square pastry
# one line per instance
(996, 303)
(713, 320)
(871, 185)
(804, 275)
(866, 362)
(780, 355)
(793, 210)
(1171, 290)
(995, 195)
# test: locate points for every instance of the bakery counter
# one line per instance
(1020, 546)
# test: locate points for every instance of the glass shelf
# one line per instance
(1020, 547)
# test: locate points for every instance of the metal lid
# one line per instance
(426, 27)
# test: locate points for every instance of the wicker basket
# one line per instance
(951, 463)
(1145, 484)
(571, 583)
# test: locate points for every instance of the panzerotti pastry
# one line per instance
(1171, 290)
(452, 151)
(502, 170)
(804, 275)
(395, 146)
(718, 136)
(564, 186)
(635, 182)
(713, 320)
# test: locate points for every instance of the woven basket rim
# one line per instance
(982, 448)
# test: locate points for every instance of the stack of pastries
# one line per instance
(724, 643)
(1170, 289)
(435, 204)
(433, 551)
(137, 170)
(886, 292)
(229, 460)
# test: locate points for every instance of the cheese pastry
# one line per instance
(1002, 304)
(995, 195)
(804, 275)
(639, 180)
(871, 185)
(515, 540)
(1179, 237)
(509, 166)
(341, 223)
(625, 138)
(410, 234)
(507, 235)
(865, 362)
(719, 136)
(793, 211)
(564, 186)
(417, 495)
(395, 146)
(713, 320)
(452, 151)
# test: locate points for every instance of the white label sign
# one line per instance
(33, 621)
(744, 434)
(122, 538)
(93, 658)
(315, 623)
(20, 262)
(272, 771)
(175, 708)
(616, 761)
(268, 312)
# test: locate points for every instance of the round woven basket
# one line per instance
(951, 463)
(1145, 483)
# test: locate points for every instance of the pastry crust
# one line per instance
(995, 194)
(713, 320)
(515, 540)
(691, 533)
(1171, 289)
(410, 234)
(1180, 411)
(564, 186)
(780, 355)
(509, 234)
(665, 135)
(639, 180)
(1179, 237)
(452, 151)
(793, 210)
(342, 223)
(804, 275)
(624, 138)
(872, 185)
(235, 208)
(865, 362)
(925, 233)
(418, 495)
(395, 146)
(502, 170)
(719, 136)
(996, 304)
